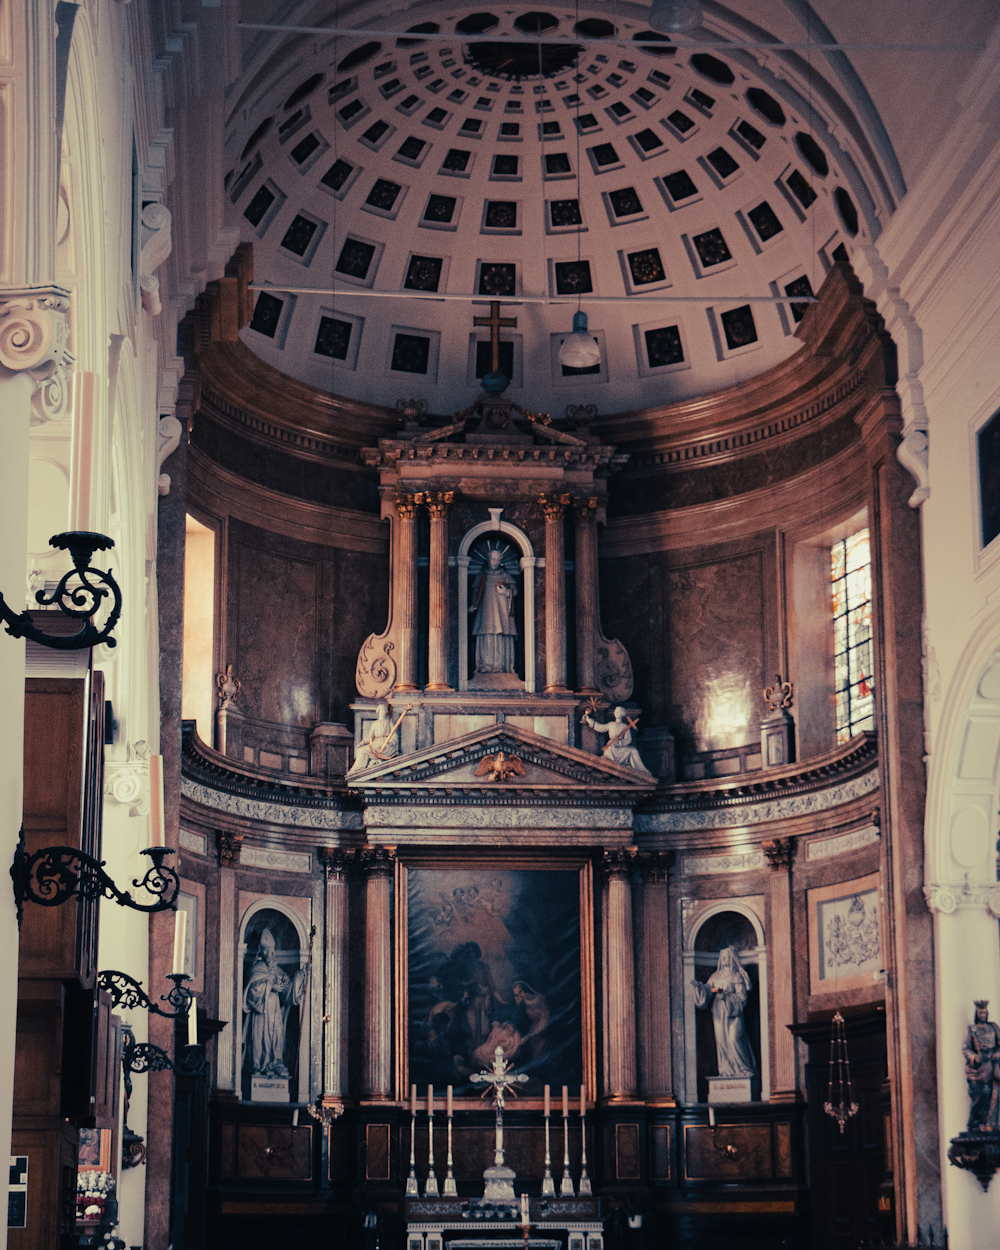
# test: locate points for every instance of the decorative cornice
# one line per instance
(790, 790)
(316, 815)
(823, 848)
(473, 815)
(963, 896)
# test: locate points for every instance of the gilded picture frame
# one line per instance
(495, 951)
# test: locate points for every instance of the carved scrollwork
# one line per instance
(613, 670)
(376, 672)
(34, 339)
(947, 899)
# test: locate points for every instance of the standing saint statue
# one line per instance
(726, 990)
(381, 744)
(981, 1049)
(494, 627)
(619, 748)
(269, 995)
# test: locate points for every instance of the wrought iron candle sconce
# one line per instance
(128, 993)
(138, 1058)
(79, 595)
(53, 875)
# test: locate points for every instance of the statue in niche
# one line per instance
(381, 744)
(726, 990)
(619, 748)
(981, 1049)
(494, 627)
(269, 996)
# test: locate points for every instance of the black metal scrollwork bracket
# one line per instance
(79, 594)
(55, 874)
(127, 993)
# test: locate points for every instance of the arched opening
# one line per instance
(471, 555)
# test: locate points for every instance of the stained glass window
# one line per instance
(851, 578)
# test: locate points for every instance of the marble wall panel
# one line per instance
(697, 635)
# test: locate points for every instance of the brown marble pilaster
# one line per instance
(437, 640)
(405, 590)
(379, 865)
(654, 992)
(779, 853)
(553, 507)
(335, 981)
(585, 512)
(908, 937)
(619, 976)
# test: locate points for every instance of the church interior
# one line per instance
(523, 770)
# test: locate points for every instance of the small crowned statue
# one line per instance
(981, 1049)
(619, 748)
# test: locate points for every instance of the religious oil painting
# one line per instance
(844, 935)
(494, 958)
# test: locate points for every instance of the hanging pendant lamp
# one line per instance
(674, 16)
(579, 350)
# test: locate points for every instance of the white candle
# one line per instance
(524, 1210)
(413, 1100)
(548, 1108)
(157, 834)
(180, 940)
(583, 1099)
(430, 1099)
(193, 1021)
(450, 1110)
(295, 1118)
(711, 1116)
(565, 1101)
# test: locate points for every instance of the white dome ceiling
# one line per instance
(454, 167)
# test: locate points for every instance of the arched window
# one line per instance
(851, 582)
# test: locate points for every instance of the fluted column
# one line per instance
(779, 853)
(437, 634)
(654, 993)
(335, 982)
(553, 506)
(619, 976)
(405, 590)
(379, 864)
(585, 511)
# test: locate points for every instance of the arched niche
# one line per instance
(291, 934)
(527, 563)
(727, 922)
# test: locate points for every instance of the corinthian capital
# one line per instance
(34, 341)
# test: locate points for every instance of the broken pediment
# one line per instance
(502, 761)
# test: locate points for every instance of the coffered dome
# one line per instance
(588, 161)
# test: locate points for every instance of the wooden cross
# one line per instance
(495, 322)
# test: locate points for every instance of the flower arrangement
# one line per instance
(93, 1189)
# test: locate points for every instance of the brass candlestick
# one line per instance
(566, 1189)
(449, 1181)
(548, 1184)
(412, 1188)
(430, 1185)
(584, 1190)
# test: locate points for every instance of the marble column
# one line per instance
(405, 591)
(335, 982)
(654, 994)
(554, 506)
(585, 511)
(619, 976)
(437, 641)
(379, 864)
(779, 853)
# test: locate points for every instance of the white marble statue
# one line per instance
(494, 627)
(381, 744)
(269, 995)
(726, 990)
(619, 748)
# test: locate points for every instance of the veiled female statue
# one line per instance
(727, 990)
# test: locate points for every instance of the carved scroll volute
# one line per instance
(34, 339)
(375, 675)
(613, 671)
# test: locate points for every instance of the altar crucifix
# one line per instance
(499, 1178)
(496, 323)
